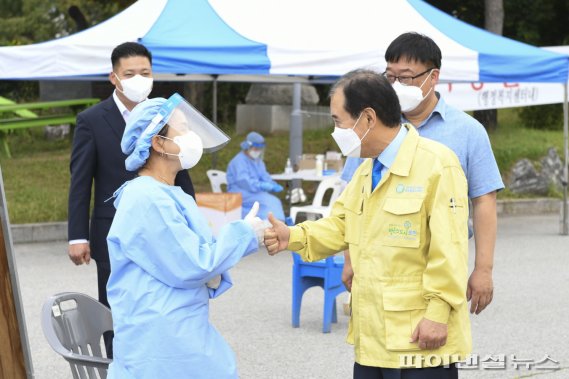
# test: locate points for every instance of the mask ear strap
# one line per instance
(358, 120)
(368, 128)
(424, 97)
(424, 81)
(365, 134)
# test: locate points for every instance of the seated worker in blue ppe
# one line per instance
(247, 174)
(165, 263)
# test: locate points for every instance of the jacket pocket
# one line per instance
(402, 222)
(353, 213)
(403, 309)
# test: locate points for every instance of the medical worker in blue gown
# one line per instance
(247, 174)
(165, 264)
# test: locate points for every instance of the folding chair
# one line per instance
(73, 324)
(216, 179)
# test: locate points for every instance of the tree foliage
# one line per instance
(539, 23)
(32, 21)
(544, 117)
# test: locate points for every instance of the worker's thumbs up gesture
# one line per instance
(256, 223)
(276, 238)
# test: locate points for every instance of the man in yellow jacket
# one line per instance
(404, 218)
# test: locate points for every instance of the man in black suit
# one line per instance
(97, 156)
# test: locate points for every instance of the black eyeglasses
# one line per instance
(404, 79)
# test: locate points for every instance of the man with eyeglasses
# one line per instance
(413, 68)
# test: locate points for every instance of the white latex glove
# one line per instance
(214, 283)
(256, 223)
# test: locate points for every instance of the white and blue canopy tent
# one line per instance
(284, 41)
(271, 37)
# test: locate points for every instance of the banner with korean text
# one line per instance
(478, 96)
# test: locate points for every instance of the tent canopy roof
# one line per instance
(323, 38)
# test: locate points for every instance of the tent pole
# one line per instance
(295, 136)
(214, 117)
(565, 227)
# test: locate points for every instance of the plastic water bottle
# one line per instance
(288, 167)
(319, 165)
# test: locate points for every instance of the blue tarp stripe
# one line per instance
(494, 68)
(500, 59)
(190, 37)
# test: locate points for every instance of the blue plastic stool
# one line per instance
(327, 274)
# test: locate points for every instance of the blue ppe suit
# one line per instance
(246, 175)
(162, 253)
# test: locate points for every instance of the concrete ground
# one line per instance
(528, 317)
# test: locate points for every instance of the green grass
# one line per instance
(36, 179)
(511, 142)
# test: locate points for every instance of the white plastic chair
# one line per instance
(317, 208)
(74, 324)
(216, 179)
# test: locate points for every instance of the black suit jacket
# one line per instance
(97, 156)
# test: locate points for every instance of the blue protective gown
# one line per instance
(162, 253)
(244, 175)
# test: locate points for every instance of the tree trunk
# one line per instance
(493, 22)
(494, 16)
(195, 93)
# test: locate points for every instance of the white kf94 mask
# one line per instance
(191, 149)
(410, 96)
(348, 141)
(137, 88)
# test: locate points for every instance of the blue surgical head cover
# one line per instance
(253, 139)
(144, 122)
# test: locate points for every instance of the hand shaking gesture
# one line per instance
(276, 238)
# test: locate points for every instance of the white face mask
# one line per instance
(255, 154)
(410, 96)
(137, 88)
(191, 149)
(348, 141)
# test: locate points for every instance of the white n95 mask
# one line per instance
(410, 96)
(137, 88)
(348, 141)
(191, 149)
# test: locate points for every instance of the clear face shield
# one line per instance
(183, 118)
(257, 152)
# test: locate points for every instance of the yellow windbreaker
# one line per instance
(408, 242)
